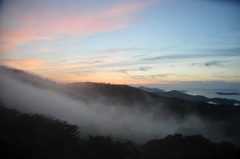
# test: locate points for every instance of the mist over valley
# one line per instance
(122, 111)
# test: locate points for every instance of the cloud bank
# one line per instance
(94, 118)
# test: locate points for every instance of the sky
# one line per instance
(136, 42)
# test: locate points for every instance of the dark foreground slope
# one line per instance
(36, 136)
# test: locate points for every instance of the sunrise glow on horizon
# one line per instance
(123, 41)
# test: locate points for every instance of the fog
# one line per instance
(95, 118)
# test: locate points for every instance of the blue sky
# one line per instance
(126, 42)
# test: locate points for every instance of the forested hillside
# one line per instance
(37, 136)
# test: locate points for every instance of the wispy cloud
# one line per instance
(126, 71)
(103, 58)
(144, 68)
(210, 64)
(29, 64)
(113, 51)
(210, 53)
(10, 39)
(214, 63)
(157, 76)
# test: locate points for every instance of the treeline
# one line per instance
(37, 136)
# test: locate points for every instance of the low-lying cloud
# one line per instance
(96, 118)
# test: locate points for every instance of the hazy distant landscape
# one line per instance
(121, 111)
(120, 79)
(206, 95)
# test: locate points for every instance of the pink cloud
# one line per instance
(123, 10)
(46, 23)
(10, 39)
(113, 18)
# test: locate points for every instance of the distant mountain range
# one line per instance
(223, 93)
(182, 95)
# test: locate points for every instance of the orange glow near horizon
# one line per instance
(69, 79)
(121, 42)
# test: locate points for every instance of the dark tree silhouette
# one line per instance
(37, 136)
